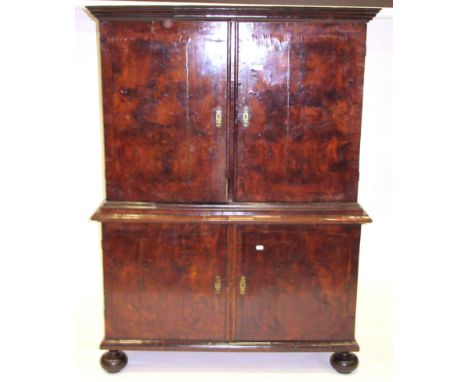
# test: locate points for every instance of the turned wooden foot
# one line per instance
(113, 361)
(344, 362)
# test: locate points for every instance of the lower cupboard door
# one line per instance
(165, 281)
(296, 283)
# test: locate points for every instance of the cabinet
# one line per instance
(231, 138)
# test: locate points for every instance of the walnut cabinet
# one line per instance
(232, 139)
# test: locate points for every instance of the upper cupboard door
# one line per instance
(299, 104)
(165, 102)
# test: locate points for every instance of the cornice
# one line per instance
(232, 13)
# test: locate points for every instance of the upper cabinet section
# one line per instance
(232, 104)
(299, 96)
(165, 100)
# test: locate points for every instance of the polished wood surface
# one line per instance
(319, 213)
(300, 282)
(160, 282)
(233, 13)
(162, 83)
(303, 86)
(325, 3)
(231, 346)
(344, 362)
(114, 361)
(160, 279)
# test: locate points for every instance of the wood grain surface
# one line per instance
(160, 281)
(323, 213)
(324, 3)
(300, 282)
(233, 13)
(162, 83)
(231, 346)
(302, 84)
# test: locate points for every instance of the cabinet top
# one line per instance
(225, 12)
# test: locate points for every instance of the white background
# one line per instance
(413, 183)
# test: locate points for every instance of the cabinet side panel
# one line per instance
(165, 281)
(299, 283)
(300, 100)
(165, 110)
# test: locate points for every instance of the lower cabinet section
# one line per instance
(229, 283)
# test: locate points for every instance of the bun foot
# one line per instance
(344, 362)
(113, 361)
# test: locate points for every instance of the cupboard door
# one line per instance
(296, 283)
(299, 103)
(165, 103)
(165, 281)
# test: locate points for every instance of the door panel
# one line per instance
(302, 84)
(163, 82)
(165, 281)
(299, 282)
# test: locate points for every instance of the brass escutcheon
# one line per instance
(246, 117)
(219, 117)
(217, 284)
(243, 285)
